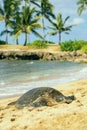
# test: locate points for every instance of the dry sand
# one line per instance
(63, 116)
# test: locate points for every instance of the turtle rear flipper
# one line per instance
(12, 103)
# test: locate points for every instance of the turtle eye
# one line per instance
(59, 99)
(30, 104)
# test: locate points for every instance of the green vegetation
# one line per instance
(6, 12)
(39, 44)
(67, 46)
(26, 24)
(82, 6)
(45, 10)
(73, 45)
(84, 49)
(25, 18)
(59, 26)
(2, 42)
(77, 45)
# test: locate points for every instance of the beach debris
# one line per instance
(12, 119)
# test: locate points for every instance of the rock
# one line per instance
(43, 55)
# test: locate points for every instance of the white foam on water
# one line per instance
(2, 82)
(43, 78)
(84, 70)
(81, 74)
(31, 62)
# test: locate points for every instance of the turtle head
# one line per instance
(72, 97)
(69, 99)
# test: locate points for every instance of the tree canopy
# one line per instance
(59, 26)
(28, 16)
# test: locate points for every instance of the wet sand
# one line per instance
(61, 116)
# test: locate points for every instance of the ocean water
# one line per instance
(17, 77)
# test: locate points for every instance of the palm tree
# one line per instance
(46, 11)
(15, 17)
(59, 26)
(28, 2)
(6, 10)
(82, 6)
(26, 23)
(14, 28)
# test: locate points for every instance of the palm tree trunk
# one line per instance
(43, 28)
(43, 19)
(28, 39)
(25, 39)
(17, 41)
(6, 36)
(6, 31)
(59, 38)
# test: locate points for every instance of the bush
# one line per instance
(72, 45)
(77, 45)
(2, 42)
(67, 46)
(84, 48)
(39, 44)
(49, 42)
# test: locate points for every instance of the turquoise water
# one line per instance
(16, 77)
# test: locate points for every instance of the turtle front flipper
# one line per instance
(40, 101)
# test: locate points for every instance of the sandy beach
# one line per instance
(61, 116)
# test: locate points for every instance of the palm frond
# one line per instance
(82, 6)
(52, 28)
(37, 34)
(32, 1)
(37, 25)
(17, 34)
(66, 19)
(4, 32)
(68, 28)
(54, 23)
(52, 33)
(1, 18)
(66, 32)
(28, 29)
(1, 11)
(80, 10)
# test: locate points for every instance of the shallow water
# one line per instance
(16, 77)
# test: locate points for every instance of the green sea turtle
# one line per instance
(42, 96)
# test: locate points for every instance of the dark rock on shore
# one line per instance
(42, 55)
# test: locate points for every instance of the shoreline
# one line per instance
(48, 75)
(62, 116)
(55, 86)
(58, 87)
(14, 52)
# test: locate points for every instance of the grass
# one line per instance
(50, 48)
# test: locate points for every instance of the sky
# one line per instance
(67, 8)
